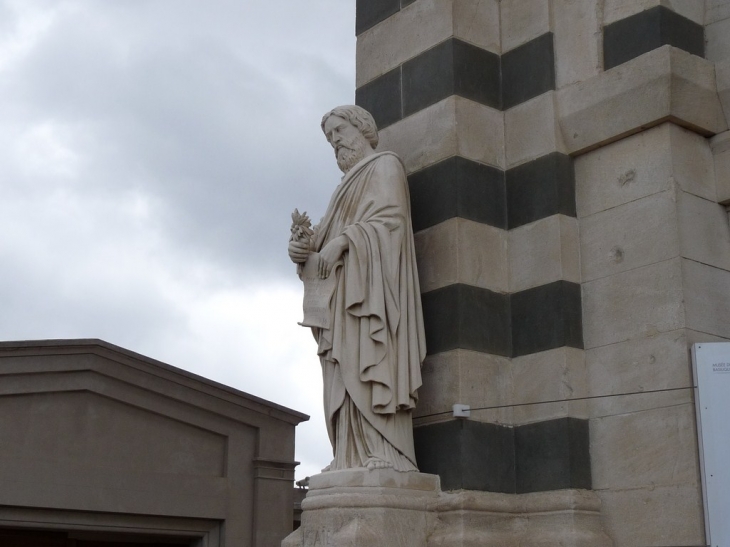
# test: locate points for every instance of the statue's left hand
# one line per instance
(330, 254)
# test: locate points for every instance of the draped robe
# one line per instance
(372, 352)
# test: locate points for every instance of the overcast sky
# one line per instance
(151, 153)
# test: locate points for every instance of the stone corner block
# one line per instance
(531, 130)
(666, 84)
(553, 455)
(722, 71)
(468, 455)
(452, 127)
(632, 304)
(522, 21)
(420, 26)
(720, 145)
(469, 377)
(549, 385)
(462, 251)
(544, 251)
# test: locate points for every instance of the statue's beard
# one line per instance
(349, 154)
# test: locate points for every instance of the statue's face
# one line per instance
(350, 145)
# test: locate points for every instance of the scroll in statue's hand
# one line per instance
(330, 254)
(298, 251)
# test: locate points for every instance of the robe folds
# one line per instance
(372, 353)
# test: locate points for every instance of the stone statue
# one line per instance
(362, 300)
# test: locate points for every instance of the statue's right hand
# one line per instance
(298, 251)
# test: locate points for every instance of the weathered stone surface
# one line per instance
(462, 251)
(643, 32)
(692, 165)
(666, 515)
(458, 187)
(454, 126)
(539, 189)
(553, 375)
(577, 28)
(569, 518)
(643, 164)
(716, 10)
(707, 298)
(409, 32)
(704, 232)
(654, 448)
(420, 26)
(468, 317)
(664, 84)
(629, 236)
(523, 20)
(717, 36)
(401, 511)
(468, 377)
(651, 229)
(381, 479)
(721, 153)
(633, 304)
(637, 402)
(650, 363)
(623, 171)
(477, 22)
(531, 130)
(497, 384)
(367, 508)
(722, 72)
(480, 132)
(546, 317)
(696, 337)
(542, 252)
(469, 454)
(615, 10)
(528, 70)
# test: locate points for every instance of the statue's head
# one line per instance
(352, 132)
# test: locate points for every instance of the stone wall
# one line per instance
(569, 163)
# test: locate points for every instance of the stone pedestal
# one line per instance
(362, 508)
(384, 508)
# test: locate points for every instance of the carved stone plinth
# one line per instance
(560, 518)
(385, 508)
(367, 508)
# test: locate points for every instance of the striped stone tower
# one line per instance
(568, 162)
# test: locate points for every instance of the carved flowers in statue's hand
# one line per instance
(301, 235)
(330, 254)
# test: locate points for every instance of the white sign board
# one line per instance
(711, 364)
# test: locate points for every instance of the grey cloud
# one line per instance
(229, 143)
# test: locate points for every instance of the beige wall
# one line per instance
(96, 437)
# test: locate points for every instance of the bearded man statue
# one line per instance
(371, 342)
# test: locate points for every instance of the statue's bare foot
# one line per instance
(329, 467)
(377, 463)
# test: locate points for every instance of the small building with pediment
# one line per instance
(103, 447)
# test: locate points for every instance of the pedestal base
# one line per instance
(385, 508)
(561, 518)
(362, 508)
